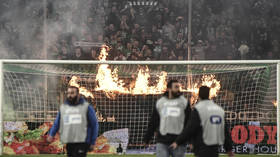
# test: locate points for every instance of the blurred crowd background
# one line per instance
(139, 29)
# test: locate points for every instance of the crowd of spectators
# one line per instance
(156, 30)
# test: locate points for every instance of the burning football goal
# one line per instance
(124, 93)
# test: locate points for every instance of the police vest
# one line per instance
(172, 115)
(212, 122)
(73, 123)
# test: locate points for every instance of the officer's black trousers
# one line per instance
(77, 149)
(211, 151)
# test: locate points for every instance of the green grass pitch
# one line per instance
(130, 155)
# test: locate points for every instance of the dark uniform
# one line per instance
(207, 130)
(78, 127)
(168, 121)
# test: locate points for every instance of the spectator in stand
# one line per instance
(54, 52)
(137, 28)
(199, 50)
(94, 55)
(113, 17)
(181, 56)
(243, 49)
(172, 55)
(180, 28)
(74, 39)
(169, 31)
(132, 57)
(64, 53)
(119, 45)
(178, 48)
(124, 26)
(211, 52)
(164, 54)
(139, 55)
(158, 48)
(143, 36)
(136, 44)
(100, 38)
(110, 31)
(120, 56)
(148, 54)
(128, 50)
(144, 48)
(79, 54)
(155, 33)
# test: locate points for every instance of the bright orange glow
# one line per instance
(109, 82)
(82, 90)
(142, 83)
(274, 103)
(211, 82)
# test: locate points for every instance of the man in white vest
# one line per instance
(77, 124)
(207, 129)
(168, 120)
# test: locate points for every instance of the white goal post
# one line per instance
(78, 62)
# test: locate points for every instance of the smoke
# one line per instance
(19, 28)
(82, 19)
(22, 36)
(22, 33)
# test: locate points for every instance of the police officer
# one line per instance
(168, 120)
(76, 123)
(206, 129)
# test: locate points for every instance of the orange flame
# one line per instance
(161, 83)
(108, 81)
(103, 53)
(209, 81)
(274, 102)
(142, 83)
(82, 90)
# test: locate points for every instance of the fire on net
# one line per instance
(109, 82)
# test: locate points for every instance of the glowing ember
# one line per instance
(82, 90)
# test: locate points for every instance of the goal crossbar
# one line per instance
(140, 62)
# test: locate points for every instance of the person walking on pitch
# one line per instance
(77, 124)
(168, 119)
(207, 128)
